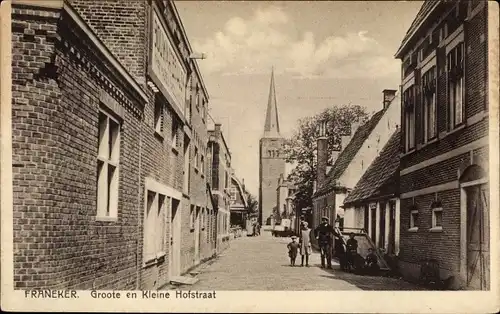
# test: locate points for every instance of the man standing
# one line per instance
(324, 233)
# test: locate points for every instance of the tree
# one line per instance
(253, 205)
(300, 149)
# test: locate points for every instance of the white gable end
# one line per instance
(372, 146)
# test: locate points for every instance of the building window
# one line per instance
(158, 117)
(414, 218)
(233, 194)
(455, 62)
(174, 133)
(108, 166)
(202, 218)
(409, 109)
(202, 164)
(437, 216)
(154, 227)
(192, 218)
(187, 165)
(196, 158)
(429, 98)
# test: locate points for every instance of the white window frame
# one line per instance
(429, 101)
(410, 123)
(192, 217)
(155, 228)
(108, 158)
(413, 224)
(452, 91)
(202, 163)
(187, 167)
(435, 227)
(196, 158)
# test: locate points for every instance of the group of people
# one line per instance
(347, 251)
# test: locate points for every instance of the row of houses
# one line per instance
(414, 177)
(115, 179)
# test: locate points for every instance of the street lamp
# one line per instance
(197, 56)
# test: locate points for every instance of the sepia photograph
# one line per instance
(183, 151)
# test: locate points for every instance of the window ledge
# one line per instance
(413, 229)
(436, 229)
(175, 150)
(458, 128)
(149, 261)
(159, 135)
(106, 218)
(429, 142)
(411, 151)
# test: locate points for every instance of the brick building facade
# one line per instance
(220, 178)
(444, 164)
(109, 146)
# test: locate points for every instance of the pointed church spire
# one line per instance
(272, 125)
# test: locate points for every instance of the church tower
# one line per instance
(271, 159)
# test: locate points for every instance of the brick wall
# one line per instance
(57, 241)
(58, 79)
(121, 25)
(445, 245)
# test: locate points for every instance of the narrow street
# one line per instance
(261, 263)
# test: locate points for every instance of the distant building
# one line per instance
(285, 195)
(444, 182)
(238, 203)
(359, 149)
(220, 182)
(271, 159)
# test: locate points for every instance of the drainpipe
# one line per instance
(138, 250)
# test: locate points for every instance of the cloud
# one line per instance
(251, 45)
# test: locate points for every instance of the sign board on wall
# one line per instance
(165, 66)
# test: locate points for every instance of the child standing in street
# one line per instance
(293, 248)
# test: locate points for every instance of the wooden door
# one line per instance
(478, 238)
(175, 238)
(391, 247)
(366, 217)
(381, 240)
(373, 219)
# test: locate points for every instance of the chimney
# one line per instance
(218, 126)
(322, 154)
(389, 95)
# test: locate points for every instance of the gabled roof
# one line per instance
(348, 154)
(381, 177)
(241, 190)
(421, 16)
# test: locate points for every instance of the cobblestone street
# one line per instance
(261, 263)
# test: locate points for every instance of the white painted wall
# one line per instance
(372, 146)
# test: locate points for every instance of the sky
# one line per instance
(323, 53)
